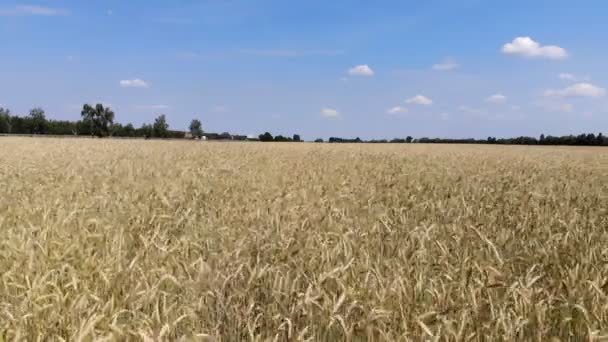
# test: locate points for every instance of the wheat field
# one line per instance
(116, 240)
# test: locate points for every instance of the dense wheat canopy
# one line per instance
(162, 240)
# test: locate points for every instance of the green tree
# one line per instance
(129, 130)
(146, 131)
(196, 128)
(5, 120)
(61, 127)
(99, 118)
(266, 137)
(38, 122)
(296, 138)
(117, 130)
(20, 125)
(161, 127)
(83, 127)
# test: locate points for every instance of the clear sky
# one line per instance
(374, 69)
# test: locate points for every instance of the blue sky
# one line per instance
(374, 69)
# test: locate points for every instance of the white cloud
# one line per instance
(32, 10)
(497, 99)
(330, 113)
(445, 65)
(444, 116)
(134, 83)
(420, 100)
(397, 110)
(578, 90)
(527, 47)
(361, 70)
(566, 76)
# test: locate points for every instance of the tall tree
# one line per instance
(196, 128)
(161, 127)
(5, 120)
(99, 118)
(129, 130)
(146, 131)
(39, 125)
(266, 137)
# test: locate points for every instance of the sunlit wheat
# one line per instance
(167, 240)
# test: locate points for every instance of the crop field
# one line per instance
(177, 240)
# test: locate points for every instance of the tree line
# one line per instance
(589, 139)
(95, 120)
(266, 137)
(99, 121)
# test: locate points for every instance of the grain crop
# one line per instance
(113, 240)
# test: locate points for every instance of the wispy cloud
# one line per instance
(566, 76)
(446, 65)
(578, 90)
(32, 10)
(134, 83)
(396, 110)
(497, 99)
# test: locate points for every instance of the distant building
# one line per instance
(211, 136)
